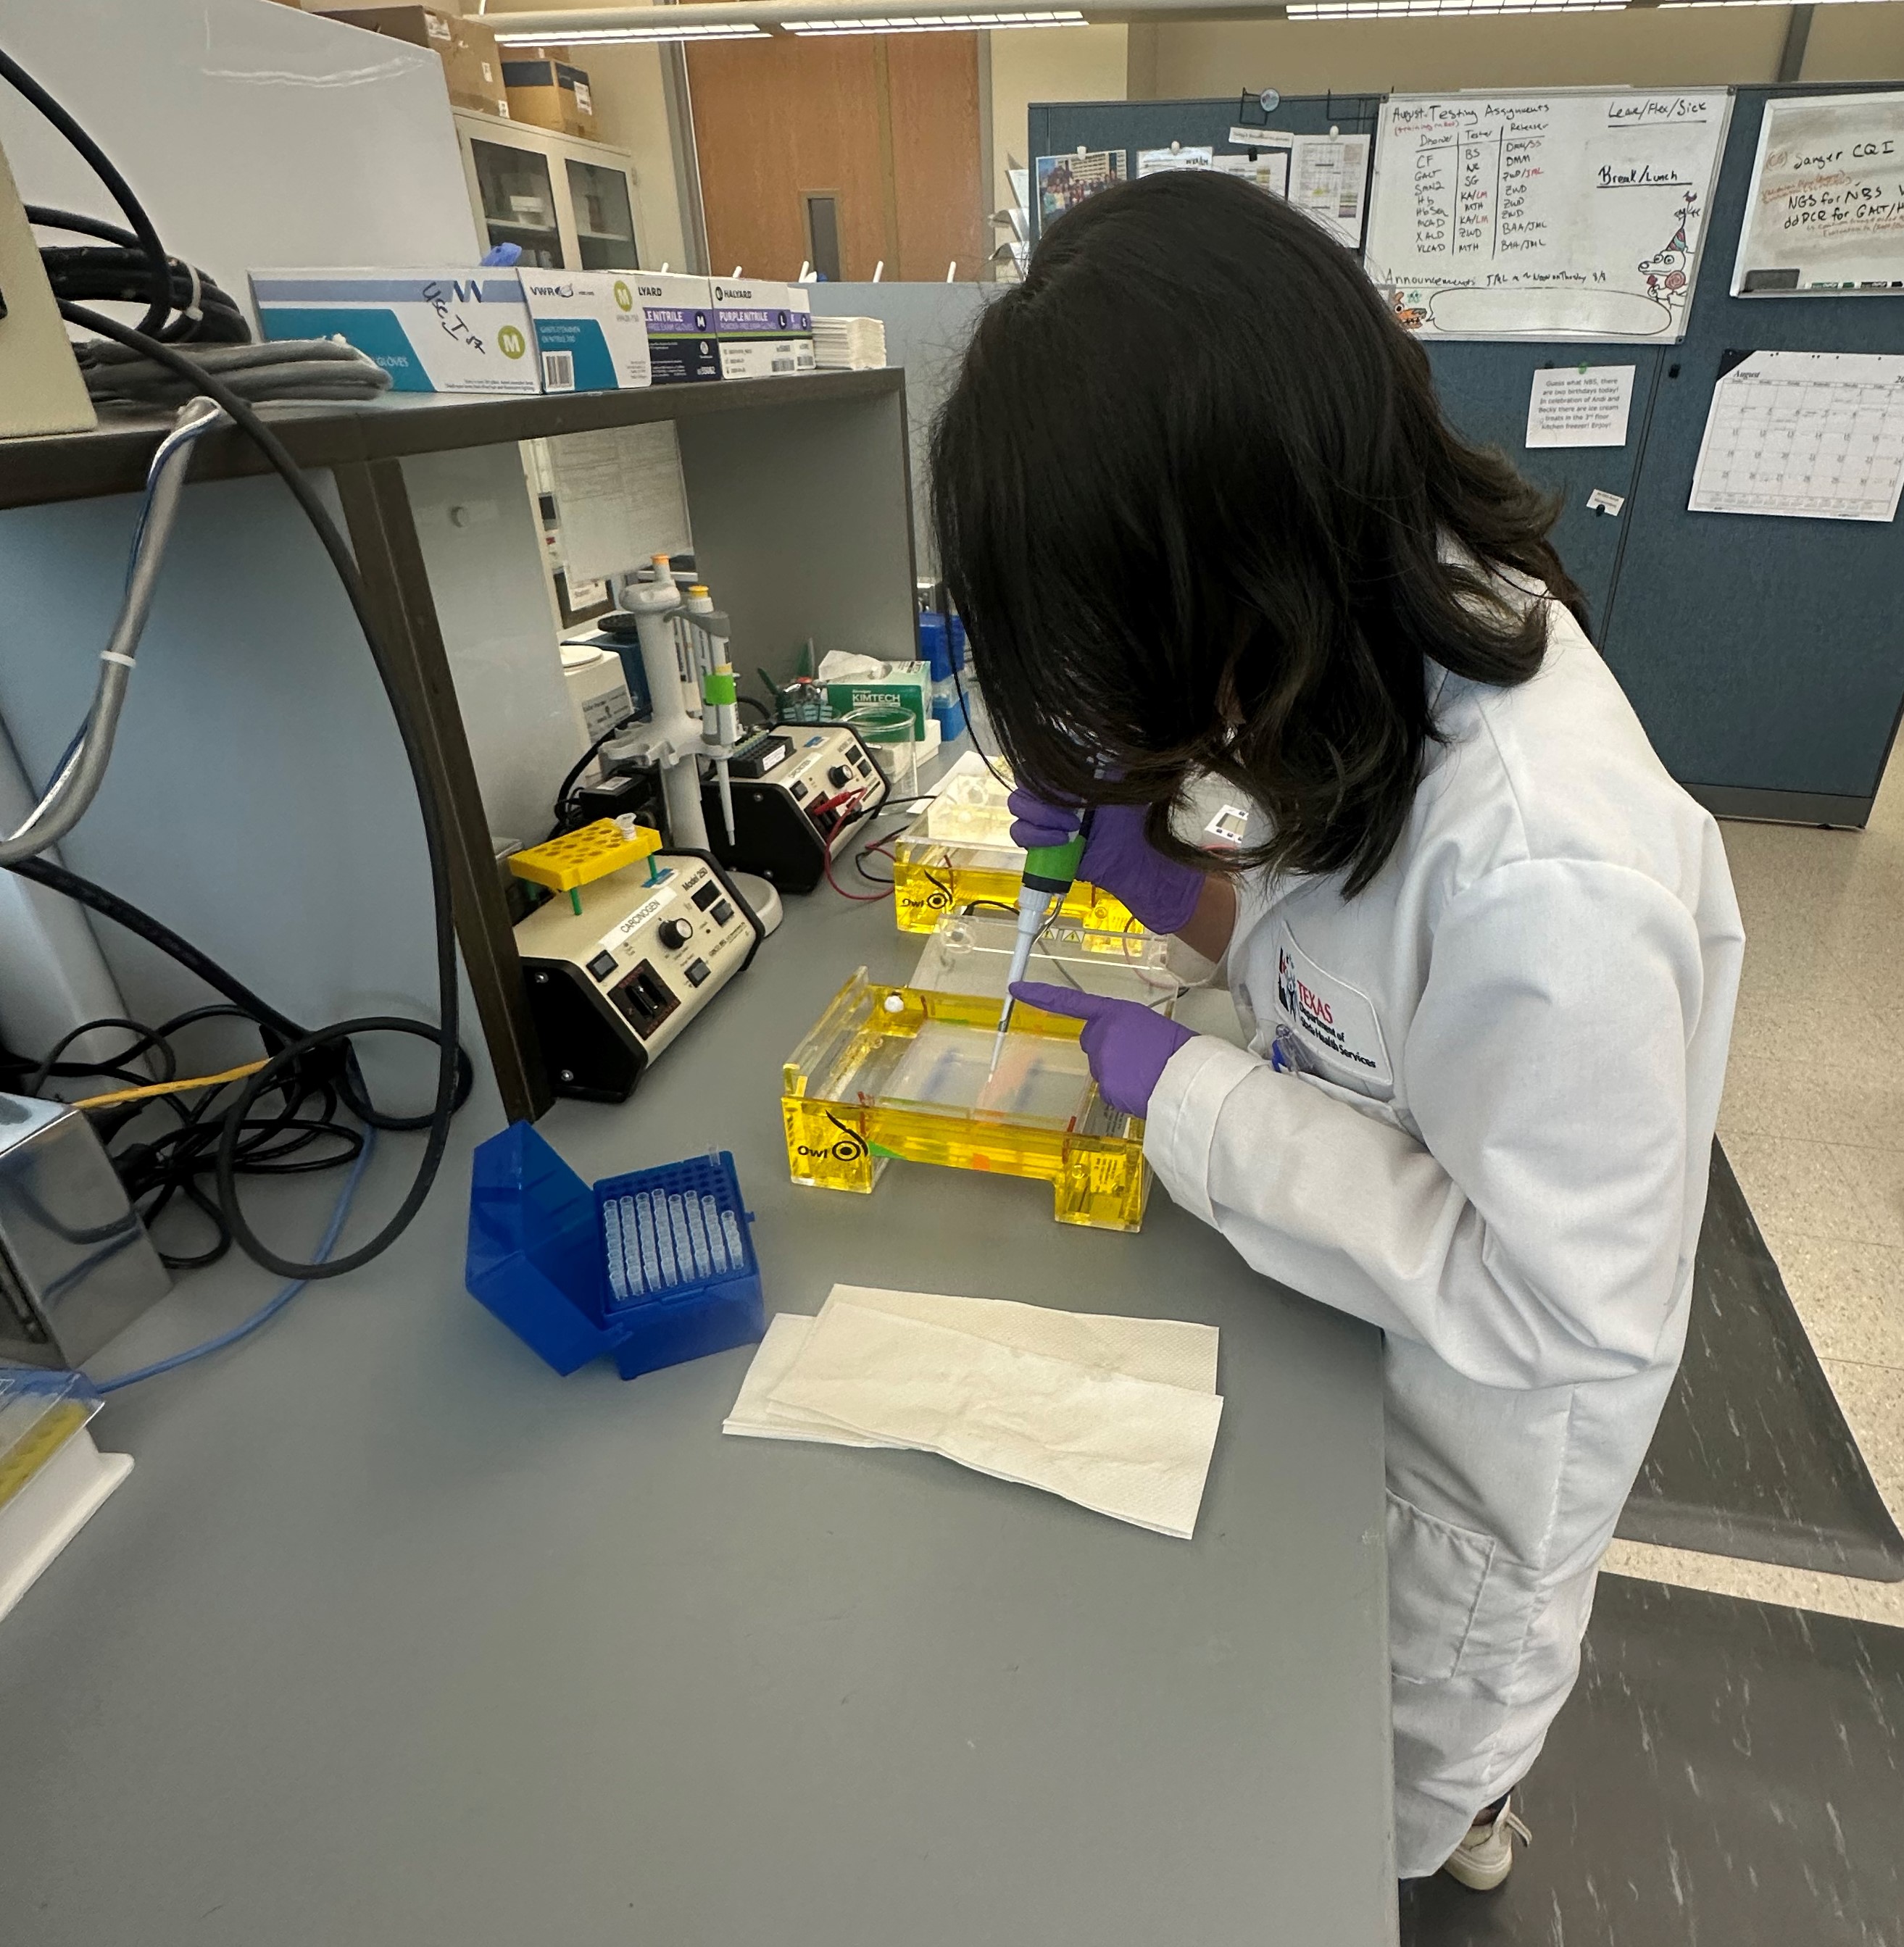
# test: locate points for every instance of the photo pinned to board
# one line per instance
(1178, 155)
(1065, 182)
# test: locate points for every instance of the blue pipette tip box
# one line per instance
(652, 1268)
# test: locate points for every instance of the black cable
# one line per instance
(109, 906)
(743, 700)
(415, 749)
(207, 315)
(581, 764)
(970, 730)
(159, 283)
(159, 1170)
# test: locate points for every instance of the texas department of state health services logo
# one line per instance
(624, 297)
(511, 343)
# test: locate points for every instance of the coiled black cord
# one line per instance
(121, 273)
(303, 1109)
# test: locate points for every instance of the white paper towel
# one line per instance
(1171, 1351)
(755, 1418)
(1130, 1448)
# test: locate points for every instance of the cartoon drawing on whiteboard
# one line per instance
(1665, 271)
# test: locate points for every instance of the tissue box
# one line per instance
(909, 685)
(679, 313)
(591, 334)
(764, 329)
(626, 1268)
(447, 330)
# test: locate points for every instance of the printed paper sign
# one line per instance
(1580, 406)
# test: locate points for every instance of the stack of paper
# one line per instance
(849, 344)
(1119, 1415)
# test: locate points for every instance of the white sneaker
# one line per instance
(1486, 1857)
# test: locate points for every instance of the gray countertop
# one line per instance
(393, 1636)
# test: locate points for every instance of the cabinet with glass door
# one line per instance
(567, 204)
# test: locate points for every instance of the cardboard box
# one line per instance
(433, 330)
(765, 330)
(472, 65)
(591, 333)
(473, 68)
(679, 313)
(550, 94)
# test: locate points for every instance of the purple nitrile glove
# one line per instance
(1127, 1045)
(1118, 857)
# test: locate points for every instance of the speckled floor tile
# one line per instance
(1795, 1588)
(1872, 1400)
(1798, 1188)
(1850, 1296)
(1812, 1102)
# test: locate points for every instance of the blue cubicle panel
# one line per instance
(1765, 655)
(1484, 391)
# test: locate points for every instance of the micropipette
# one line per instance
(1049, 870)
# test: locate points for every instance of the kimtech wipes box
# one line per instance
(463, 330)
(591, 332)
(679, 311)
(764, 329)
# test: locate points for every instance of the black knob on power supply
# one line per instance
(673, 932)
(839, 774)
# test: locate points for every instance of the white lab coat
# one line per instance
(1476, 1111)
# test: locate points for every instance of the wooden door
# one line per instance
(883, 129)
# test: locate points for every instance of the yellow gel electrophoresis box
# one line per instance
(905, 1073)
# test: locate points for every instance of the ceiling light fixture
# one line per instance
(938, 23)
(1393, 10)
(556, 35)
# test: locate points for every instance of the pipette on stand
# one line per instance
(720, 694)
(1049, 871)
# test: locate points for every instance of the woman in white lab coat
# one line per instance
(1198, 506)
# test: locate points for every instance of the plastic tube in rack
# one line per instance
(611, 1224)
(664, 1241)
(716, 1245)
(730, 1227)
(697, 1237)
(683, 1243)
(630, 1247)
(644, 1220)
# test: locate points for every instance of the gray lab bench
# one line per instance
(393, 1636)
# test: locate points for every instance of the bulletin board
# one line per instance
(1765, 655)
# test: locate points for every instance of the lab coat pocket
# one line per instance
(1436, 1573)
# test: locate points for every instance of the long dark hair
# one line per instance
(1198, 507)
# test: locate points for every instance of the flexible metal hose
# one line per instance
(77, 783)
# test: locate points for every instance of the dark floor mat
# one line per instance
(1726, 1772)
(1752, 1457)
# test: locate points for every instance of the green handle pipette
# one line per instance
(1050, 871)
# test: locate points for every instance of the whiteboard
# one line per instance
(1568, 214)
(1825, 212)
